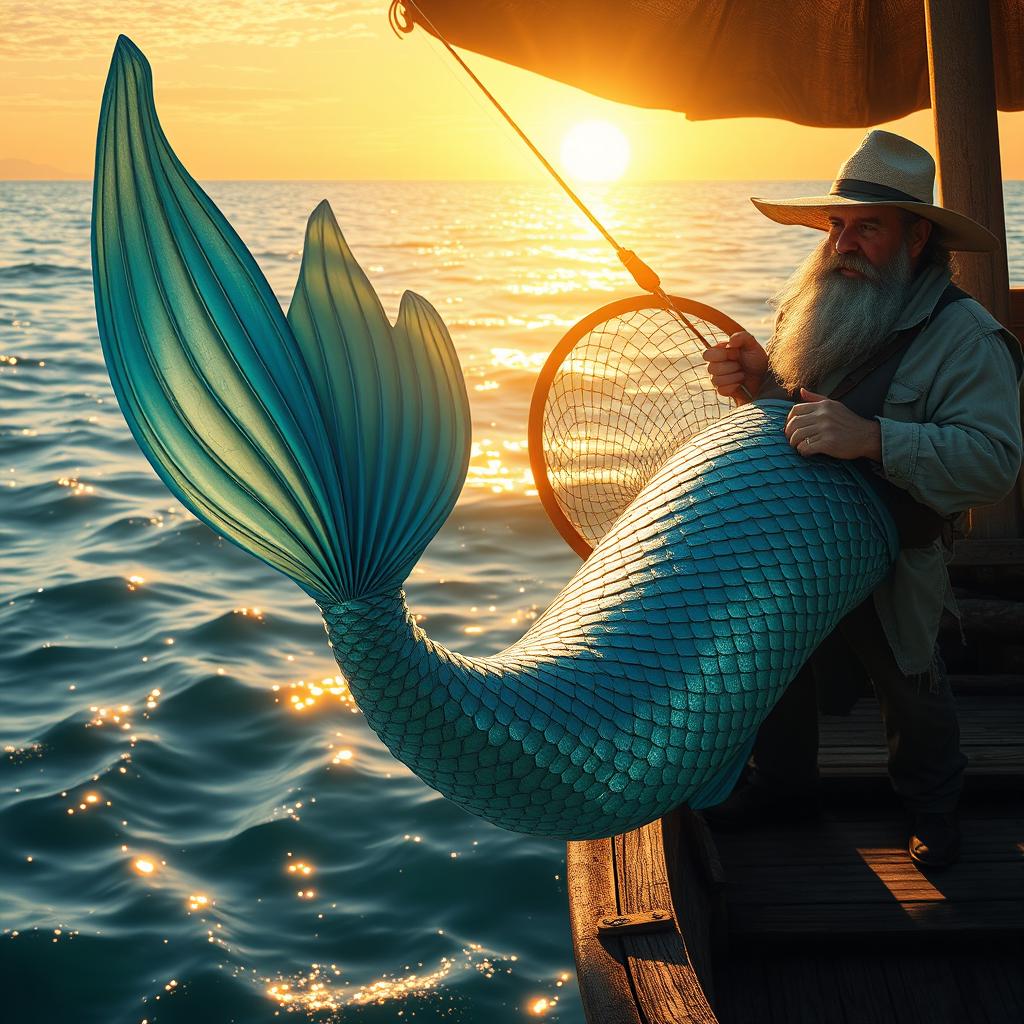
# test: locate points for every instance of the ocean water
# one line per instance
(195, 822)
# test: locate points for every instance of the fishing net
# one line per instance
(622, 391)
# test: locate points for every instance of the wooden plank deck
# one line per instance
(991, 735)
(850, 873)
(982, 985)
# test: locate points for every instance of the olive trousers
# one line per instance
(926, 765)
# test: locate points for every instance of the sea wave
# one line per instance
(149, 664)
(42, 271)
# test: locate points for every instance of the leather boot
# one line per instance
(934, 839)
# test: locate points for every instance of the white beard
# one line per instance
(825, 320)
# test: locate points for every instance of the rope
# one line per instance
(646, 278)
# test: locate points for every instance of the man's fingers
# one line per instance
(741, 339)
(729, 367)
(804, 409)
(721, 380)
(812, 396)
(805, 433)
(718, 354)
(805, 419)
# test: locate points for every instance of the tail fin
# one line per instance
(334, 448)
(395, 406)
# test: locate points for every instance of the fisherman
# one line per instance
(893, 367)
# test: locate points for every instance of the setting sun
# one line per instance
(595, 151)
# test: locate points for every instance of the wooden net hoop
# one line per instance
(622, 391)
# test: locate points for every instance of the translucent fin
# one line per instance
(308, 453)
(395, 407)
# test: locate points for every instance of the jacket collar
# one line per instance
(925, 290)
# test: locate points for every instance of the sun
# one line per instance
(595, 151)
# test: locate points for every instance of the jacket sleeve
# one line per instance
(968, 451)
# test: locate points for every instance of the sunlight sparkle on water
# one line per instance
(75, 485)
(303, 696)
(115, 715)
(300, 867)
(321, 989)
(488, 467)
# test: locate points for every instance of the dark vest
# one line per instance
(863, 391)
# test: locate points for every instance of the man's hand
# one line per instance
(820, 426)
(736, 363)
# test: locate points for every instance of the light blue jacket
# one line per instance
(951, 436)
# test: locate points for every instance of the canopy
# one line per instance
(831, 63)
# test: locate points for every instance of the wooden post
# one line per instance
(963, 94)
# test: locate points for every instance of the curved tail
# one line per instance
(331, 444)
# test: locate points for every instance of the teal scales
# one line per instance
(333, 445)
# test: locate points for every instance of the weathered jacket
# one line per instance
(951, 436)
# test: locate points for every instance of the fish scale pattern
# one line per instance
(643, 685)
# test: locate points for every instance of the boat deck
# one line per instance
(832, 921)
(991, 735)
(984, 985)
(853, 867)
(825, 921)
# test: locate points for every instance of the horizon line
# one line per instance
(446, 181)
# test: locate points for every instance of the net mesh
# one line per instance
(628, 394)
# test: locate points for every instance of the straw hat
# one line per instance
(886, 170)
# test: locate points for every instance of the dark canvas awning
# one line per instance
(817, 62)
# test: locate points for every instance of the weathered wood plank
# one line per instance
(604, 982)
(665, 980)
(990, 761)
(847, 885)
(698, 884)
(856, 980)
(699, 900)
(802, 984)
(992, 617)
(990, 685)
(829, 921)
(850, 874)
(991, 735)
(977, 551)
(1000, 983)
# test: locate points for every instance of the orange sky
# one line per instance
(296, 89)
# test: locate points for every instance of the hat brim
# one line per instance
(956, 231)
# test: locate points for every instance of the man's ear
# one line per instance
(918, 233)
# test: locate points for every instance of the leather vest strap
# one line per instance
(863, 391)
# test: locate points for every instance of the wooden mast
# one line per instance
(961, 72)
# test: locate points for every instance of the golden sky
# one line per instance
(312, 89)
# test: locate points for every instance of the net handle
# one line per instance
(535, 425)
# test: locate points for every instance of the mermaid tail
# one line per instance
(333, 445)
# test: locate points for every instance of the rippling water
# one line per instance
(195, 822)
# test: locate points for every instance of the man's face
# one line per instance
(875, 233)
(839, 305)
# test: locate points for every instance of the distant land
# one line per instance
(15, 168)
